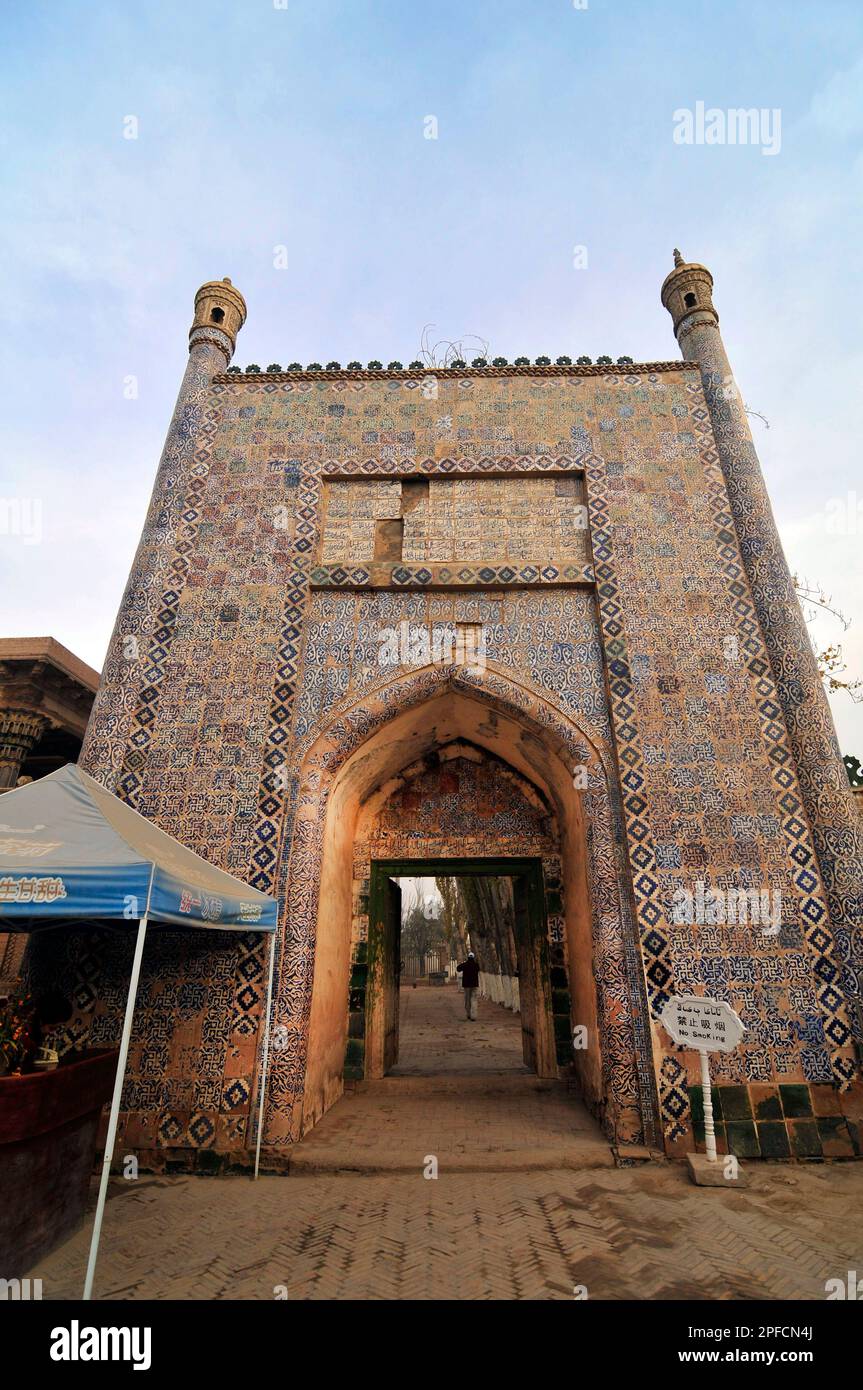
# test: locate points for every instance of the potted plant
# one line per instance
(16, 1033)
(50, 1109)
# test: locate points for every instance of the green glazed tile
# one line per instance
(743, 1139)
(805, 1139)
(696, 1102)
(735, 1102)
(768, 1107)
(796, 1101)
(773, 1138)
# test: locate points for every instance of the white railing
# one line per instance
(500, 989)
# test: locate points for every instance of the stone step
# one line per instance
(577, 1155)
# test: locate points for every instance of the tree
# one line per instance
(421, 932)
(485, 906)
(831, 663)
(452, 916)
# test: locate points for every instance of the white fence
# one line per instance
(500, 989)
(435, 961)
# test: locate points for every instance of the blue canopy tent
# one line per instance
(72, 854)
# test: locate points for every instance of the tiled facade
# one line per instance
(635, 648)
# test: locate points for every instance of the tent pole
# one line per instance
(266, 1057)
(115, 1104)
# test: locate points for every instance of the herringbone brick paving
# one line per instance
(643, 1233)
(500, 1233)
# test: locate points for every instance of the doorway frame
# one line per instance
(527, 870)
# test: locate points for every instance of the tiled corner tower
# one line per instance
(647, 711)
(828, 799)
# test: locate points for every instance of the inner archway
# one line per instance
(361, 757)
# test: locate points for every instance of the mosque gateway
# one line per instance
(523, 623)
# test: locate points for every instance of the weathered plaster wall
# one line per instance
(465, 519)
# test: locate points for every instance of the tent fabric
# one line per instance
(69, 849)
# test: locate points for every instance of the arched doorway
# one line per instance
(460, 814)
(362, 754)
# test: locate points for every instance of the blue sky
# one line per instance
(303, 127)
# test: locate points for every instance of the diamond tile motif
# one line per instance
(606, 642)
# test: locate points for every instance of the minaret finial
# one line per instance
(220, 312)
(687, 290)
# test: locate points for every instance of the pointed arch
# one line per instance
(365, 743)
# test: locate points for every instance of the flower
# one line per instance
(16, 1038)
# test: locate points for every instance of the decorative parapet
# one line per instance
(627, 371)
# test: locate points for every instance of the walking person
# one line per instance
(469, 971)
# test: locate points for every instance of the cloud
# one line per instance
(838, 109)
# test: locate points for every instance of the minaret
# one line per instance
(687, 293)
(158, 570)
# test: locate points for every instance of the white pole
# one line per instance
(115, 1104)
(266, 1058)
(709, 1131)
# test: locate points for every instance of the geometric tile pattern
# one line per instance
(626, 1059)
(824, 793)
(808, 885)
(433, 576)
(229, 672)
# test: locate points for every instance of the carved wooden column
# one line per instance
(20, 731)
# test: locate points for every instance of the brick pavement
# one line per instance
(436, 1038)
(460, 1092)
(503, 1219)
(643, 1233)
